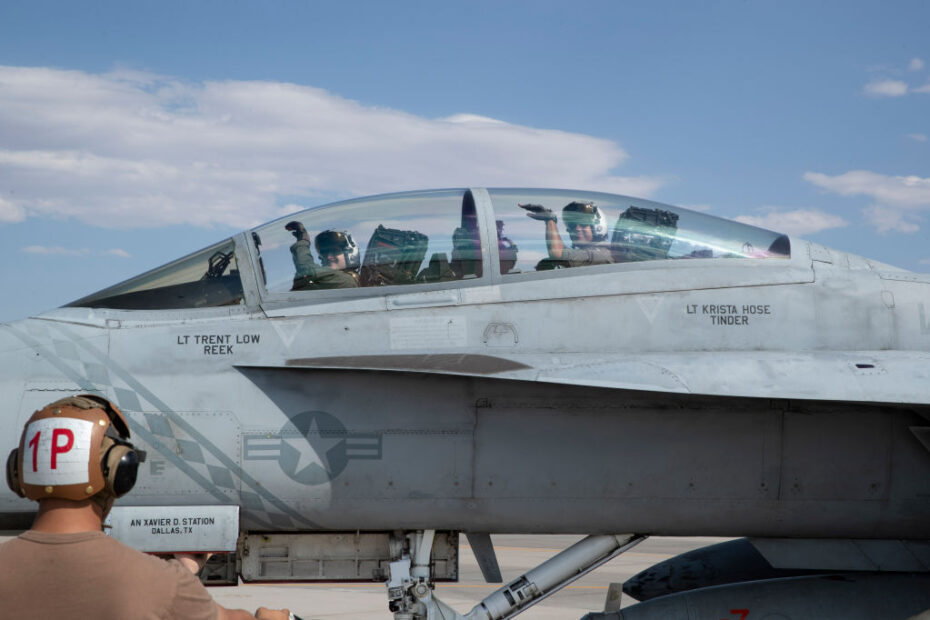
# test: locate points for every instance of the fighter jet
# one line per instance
(361, 382)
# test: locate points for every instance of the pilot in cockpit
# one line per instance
(586, 227)
(338, 250)
(338, 255)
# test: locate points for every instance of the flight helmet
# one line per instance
(586, 214)
(340, 242)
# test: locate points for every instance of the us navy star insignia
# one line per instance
(314, 452)
(312, 448)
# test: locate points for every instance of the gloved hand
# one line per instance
(539, 212)
(297, 229)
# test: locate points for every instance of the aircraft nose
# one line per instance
(8, 341)
(18, 349)
(15, 365)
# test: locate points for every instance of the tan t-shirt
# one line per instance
(90, 575)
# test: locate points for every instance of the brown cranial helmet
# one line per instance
(75, 448)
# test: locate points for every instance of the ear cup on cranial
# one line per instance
(120, 468)
(12, 473)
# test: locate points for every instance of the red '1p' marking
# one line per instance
(59, 449)
(742, 613)
(34, 444)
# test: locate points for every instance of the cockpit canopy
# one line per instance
(204, 279)
(420, 238)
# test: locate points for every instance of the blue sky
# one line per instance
(135, 132)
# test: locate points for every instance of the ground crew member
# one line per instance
(307, 274)
(586, 227)
(75, 459)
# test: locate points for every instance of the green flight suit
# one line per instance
(310, 276)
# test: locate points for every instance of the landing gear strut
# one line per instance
(410, 589)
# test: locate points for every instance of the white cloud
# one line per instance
(886, 88)
(889, 220)
(916, 64)
(924, 261)
(131, 149)
(906, 192)
(10, 212)
(291, 208)
(917, 137)
(55, 250)
(798, 222)
(899, 200)
(923, 89)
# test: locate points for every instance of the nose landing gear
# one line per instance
(410, 589)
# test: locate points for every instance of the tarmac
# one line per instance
(516, 554)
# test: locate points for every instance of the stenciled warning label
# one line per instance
(175, 528)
